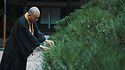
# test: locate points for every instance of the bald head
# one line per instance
(33, 10)
(33, 14)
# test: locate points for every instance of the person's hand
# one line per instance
(49, 42)
(44, 48)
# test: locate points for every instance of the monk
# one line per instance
(24, 38)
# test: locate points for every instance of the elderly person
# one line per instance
(24, 38)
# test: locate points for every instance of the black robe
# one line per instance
(20, 45)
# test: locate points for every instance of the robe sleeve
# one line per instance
(40, 35)
(25, 38)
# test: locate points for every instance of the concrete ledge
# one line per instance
(1, 53)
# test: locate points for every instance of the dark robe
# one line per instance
(20, 45)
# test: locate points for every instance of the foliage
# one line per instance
(90, 38)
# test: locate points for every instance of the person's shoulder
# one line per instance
(21, 19)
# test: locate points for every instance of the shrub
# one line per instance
(90, 38)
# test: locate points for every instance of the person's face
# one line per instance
(33, 18)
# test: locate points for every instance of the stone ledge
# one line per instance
(1, 53)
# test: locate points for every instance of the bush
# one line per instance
(91, 38)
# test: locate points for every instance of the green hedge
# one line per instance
(90, 38)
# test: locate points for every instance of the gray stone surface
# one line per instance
(1, 52)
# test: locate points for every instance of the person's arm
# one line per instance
(29, 41)
(40, 36)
